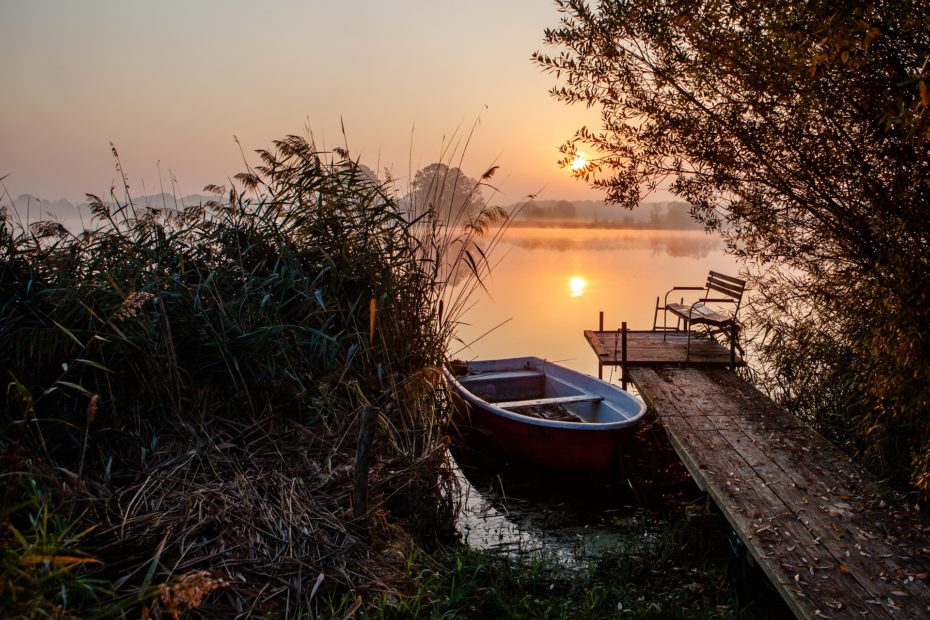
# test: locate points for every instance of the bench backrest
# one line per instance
(726, 285)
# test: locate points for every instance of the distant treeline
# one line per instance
(77, 216)
(672, 215)
(675, 215)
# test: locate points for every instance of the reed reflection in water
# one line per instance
(549, 285)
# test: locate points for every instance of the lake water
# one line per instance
(547, 288)
(551, 283)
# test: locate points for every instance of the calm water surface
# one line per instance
(547, 288)
(551, 283)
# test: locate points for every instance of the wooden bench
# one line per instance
(719, 289)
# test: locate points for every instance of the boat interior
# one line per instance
(532, 392)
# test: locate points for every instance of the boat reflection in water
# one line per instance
(519, 510)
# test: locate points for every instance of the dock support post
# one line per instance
(600, 364)
(623, 355)
(734, 332)
(616, 352)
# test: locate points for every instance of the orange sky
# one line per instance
(171, 82)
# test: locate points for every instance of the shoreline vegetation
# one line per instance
(186, 390)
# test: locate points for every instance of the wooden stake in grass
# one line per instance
(362, 457)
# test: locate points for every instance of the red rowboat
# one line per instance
(545, 413)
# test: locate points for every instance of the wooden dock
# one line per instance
(656, 348)
(833, 541)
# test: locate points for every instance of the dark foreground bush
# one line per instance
(184, 388)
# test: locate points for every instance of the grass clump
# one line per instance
(45, 566)
(625, 546)
(678, 570)
(184, 388)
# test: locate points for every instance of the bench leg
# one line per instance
(664, 317)
(688, 348)
(734, 334)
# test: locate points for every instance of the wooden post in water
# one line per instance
(623, 355)
(600, 364)
(617, 351)
(362, 459)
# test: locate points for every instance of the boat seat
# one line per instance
(501, 375)
(555, 400)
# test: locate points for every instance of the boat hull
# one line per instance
(591, 445)
(551, 447)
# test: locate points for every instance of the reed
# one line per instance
(189, 382)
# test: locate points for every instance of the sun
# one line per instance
(576, 286)
(580, 162)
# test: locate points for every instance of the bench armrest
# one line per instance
(683, 288)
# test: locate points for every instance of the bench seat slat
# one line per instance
(700, 314)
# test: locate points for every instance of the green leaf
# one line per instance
(75, 386)
(93, 364)
(68, 333)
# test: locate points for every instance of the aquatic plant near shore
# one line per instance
(226, 351)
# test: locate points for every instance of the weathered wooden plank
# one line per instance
(664, 395)
(756, 461)
(806, 462)
(730, 395)
(805, 455)
(596, 343)
(787, 552)
(848, 521)
(838, 528)
(658, 348)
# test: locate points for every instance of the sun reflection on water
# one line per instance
(531, 307)
(576, 286)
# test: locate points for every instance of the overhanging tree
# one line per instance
(802, 130)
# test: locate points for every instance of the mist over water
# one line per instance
(549, 284)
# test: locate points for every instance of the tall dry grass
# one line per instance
(189, 382)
